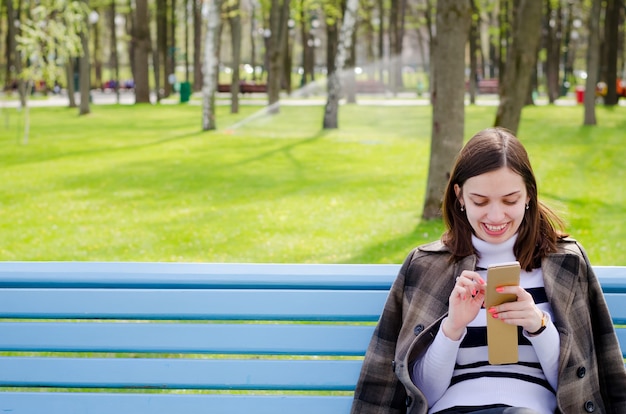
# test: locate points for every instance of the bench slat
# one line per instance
(276, 339)
(621, 337)
(163, 373)
(197, 275)
(192, 304)
(104, 403)
(617, 307)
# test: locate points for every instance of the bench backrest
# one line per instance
(195, 338)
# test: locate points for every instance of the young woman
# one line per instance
(429, 351)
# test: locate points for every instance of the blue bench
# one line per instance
(136, 338)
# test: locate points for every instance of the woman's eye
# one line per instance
(481, 204)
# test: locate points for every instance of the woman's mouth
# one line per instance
(494, 230)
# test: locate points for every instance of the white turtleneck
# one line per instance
(457, 373)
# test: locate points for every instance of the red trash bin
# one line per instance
(580, 94)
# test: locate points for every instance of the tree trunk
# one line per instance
(593, 62)
(611, 37)
(197, 45)
(12, 16)
(97, 60)
(115, 61)
(84, 75)
(279, 14)
(381, 40)
(186, 39)
(394, 59)
(553, 50)
(473, 51)
(453, 24)
(428, 15)
(514, 86)
(349, 75)
(234, 20)
(211, 65)
(170, 67)
(334, 79)
(132, 33)
(160, 53)
(69, 72)
(142, 52)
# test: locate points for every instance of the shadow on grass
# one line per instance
(390, 250)
(284, 149)
(44, 157)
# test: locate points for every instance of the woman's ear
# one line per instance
(459, 193)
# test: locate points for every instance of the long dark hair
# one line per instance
(489, 150)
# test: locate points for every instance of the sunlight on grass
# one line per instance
(146, 184)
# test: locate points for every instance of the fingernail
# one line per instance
(492, 310)
(495, 315)
(499, 289)
(474, 292)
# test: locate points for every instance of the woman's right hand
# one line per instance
(466, 299)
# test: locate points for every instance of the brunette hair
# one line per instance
(489, 150)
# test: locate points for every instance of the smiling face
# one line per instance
(495, 203)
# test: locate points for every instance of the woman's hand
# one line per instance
(466, 299)
(522, 312)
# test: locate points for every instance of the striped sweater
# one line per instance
(457, 374)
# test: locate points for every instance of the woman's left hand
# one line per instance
(522, 312)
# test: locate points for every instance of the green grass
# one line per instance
(146, 184)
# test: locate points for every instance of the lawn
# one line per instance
(143, 183)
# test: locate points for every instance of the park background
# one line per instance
(147, 183)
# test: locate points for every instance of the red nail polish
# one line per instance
(499, 289)
(492, 310)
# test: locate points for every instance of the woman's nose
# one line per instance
(495, 213)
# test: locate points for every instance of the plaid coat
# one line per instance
(592, 377)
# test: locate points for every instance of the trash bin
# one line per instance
(185, 91)
(580, 94)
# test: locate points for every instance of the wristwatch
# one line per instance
(544, 323)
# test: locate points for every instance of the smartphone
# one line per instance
(501, 337)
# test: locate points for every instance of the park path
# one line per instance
(403, 99)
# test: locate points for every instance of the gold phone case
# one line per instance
(501, 337)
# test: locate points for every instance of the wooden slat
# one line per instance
(277, 339)
(197, 275)
(621, 336)
(617, 307)
(159, 373)
(612, 278)
(103, 403)
(192, 304)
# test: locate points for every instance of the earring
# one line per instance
(462, 208)
(527, 206)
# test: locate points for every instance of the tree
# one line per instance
(84, 75)
(160, 54)
(141, 41)
(520, 65)
(554, 31)
(279, 15)
(115, 61)
(453, 24)
(211, 65)
(593, 62)
(13, 54)
(50, 24)
(234, 22)
(613, 15)
(334, 79)
(197, 45)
